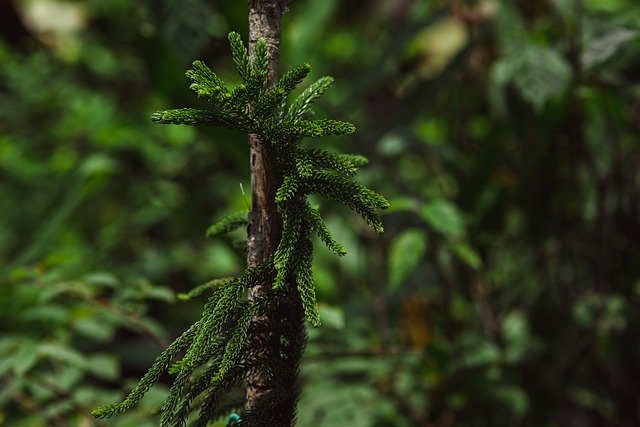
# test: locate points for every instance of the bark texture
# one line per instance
(272, 380)
(265, 17)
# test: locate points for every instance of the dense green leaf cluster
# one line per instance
(215, 348)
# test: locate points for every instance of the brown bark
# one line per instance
(265, 18)
(264, 230)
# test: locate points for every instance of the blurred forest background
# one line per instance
(505, 133)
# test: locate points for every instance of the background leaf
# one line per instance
(443, 217)
(538, 73)
(538, 177)
(405, 253)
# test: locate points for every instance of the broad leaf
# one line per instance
(444, 217)
(466, 254)
(406, 251)
(601, 49)
(537, 72)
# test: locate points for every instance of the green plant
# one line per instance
(53, 360)
(217, 347)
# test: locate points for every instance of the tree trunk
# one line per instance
(265, 18)
(275, 340)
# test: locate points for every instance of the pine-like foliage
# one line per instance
(210, 358)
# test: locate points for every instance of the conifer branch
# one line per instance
(262, 308)
(320, 159)
(350, 193)
(207, 84)
(304, 276)
(227, 224)
(191, 117)
(292, 78)
(303, 102)
(151, 377)
(237, 342)
(321, 229)
(215, 390)
(200, 289)
(240, 56)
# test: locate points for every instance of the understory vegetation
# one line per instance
(504, 134)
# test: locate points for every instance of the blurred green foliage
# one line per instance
(504, 133)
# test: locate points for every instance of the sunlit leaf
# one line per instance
(332, 316)
(607, 5)
(25, 358)
(544, 75)
(513, 397)
(444, 217)
(104, 366)
(63, 353)
(102, 278)
(467, 255)
(406, 251)
(600, 49)
(402, 204)
(485, 353)
(538, 73)
(161, 293)
(94, 327)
